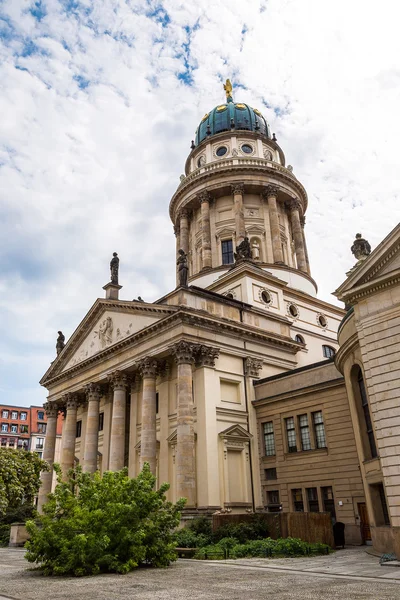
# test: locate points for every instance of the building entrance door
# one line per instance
(364, 522)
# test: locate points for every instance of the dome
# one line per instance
(231, 116)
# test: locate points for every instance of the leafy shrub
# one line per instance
(201, 526)
(94, 524)
(186, 538)
(227, 548)
(256, 529)
(19, 478)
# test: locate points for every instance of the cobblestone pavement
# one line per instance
(350, 574)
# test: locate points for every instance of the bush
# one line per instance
(94, 524)
(186, 538)
(229, 548)
(256, 529)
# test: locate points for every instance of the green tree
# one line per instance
(19, 478)
(93, 524)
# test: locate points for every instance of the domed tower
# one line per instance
(236, 186)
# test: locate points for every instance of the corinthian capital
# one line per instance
(294, 205)
(237, 188)
(51, 409)
(253, 366)
(204, 196)
(270, 191)
(184, 352)
(71, 401)
(206, 356)
(118, 380)
(148, 367)
(184, 213)
(92, 391)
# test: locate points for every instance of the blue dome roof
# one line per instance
(230, 117)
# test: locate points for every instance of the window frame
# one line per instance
(291, 448)
(101, 421)
(312, 502)
(229, 253)
(271, 436)
(4, 414)
(295, 501)
(365, 408)
(4, 428)
(23, 416)
(317, 427)
(328, 351)
(305, 434)
(14, 418)
(78, 429)
(40, 418)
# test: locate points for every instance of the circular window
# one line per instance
(221, 151)
(322, 321)
(247, 149)
(266, 297)
(293, 310)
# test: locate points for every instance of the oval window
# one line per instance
(322, 321)
(293, 310)
(266, 297)
(221, 151)
(247, 149)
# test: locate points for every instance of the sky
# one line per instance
(99, 101)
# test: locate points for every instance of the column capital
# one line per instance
(51, 409)
(237, 188)
(177, 230)
(70, 401)
(204, 196)
(118, 380)
(206, 356)
(184, 352)
(270, 191)
(294, 205)
(148, 367)
(92, 391)
(252, 366)
(184, 213)
(302, 221)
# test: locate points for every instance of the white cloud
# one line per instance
(88, 170)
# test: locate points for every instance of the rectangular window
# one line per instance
(4, 427)
(328, 501)
(312, 498)
(3, 442)
(39, 442)
(297, 496)
(157, 403)
(23, 428)
(101, 421)
(14, 428)
(269, 440)
(273, 497)
(22, 416)
(385, 512)
(291, 434)
(270, 474)
(367, 416)
(41, 427)
(40, 454)
(78, 429)
(319, 429)
(40, 415)
(4, 414)
(304, 432)
(11, 442)
(14, 415)
(227, 252)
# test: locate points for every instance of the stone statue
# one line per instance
(60, 342)
(255, 250)
(183, 269)
(114, 266)
(243, 251)
(360, 248)
(105, 332)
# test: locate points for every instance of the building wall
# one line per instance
(14, 430)
(305, 392)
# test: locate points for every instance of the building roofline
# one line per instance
(316, 365)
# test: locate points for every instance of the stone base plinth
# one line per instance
(18, 535)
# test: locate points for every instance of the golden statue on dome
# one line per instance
(228, 90)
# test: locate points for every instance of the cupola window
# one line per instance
(322, 320)
(266, 297)
(293, 310)
(227, 252)
(328, 351)
(221, 151)
(247, 149)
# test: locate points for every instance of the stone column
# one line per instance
(294, 207)
(178, 246)
(135, 385)
(270, 194)
(184, 354)
(92, 428)
(206, 230)
(184, 230)
(148, 441)
(252, 370)
(119, 381)
(238, 211)
(48, 453)
(302, 223)
(69, 435)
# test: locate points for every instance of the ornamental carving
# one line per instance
(237, 188)
(184, 214)
(118, 380)
(360, 248)
(71, 401)
(294, 205)
(51, 409)
(92, 391)
(206, 356)
(271, 191)
(148, 367)
(253, 366)
(184, 352)
(267, 154)
(204, 197)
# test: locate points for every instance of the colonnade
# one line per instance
(185, 355)
(270, 195)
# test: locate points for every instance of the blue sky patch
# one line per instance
(38, 10)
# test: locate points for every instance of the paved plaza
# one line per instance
(347, 575)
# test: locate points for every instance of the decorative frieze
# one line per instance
(253, 366)
(118, 380)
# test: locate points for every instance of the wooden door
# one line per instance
(364, 522)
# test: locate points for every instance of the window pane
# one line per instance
(312, 497)
(319, 429)
(304, 432)
(297, 496)
(367, 415)
(291, 434)
(227, 252)
(328, 501)
(269, 440)
(270, 474)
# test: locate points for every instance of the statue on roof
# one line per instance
(114, 266)
(228, 90)
(183, 269)
(360, 248)
(243, 251)
(60, 342)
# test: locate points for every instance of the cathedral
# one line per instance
(234, 386)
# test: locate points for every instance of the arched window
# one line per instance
(366, 413)
(328, 351)
(300, 339)
(229, 295)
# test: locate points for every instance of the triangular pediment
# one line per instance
(106, 325)
(381, 266)
(236, 432)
